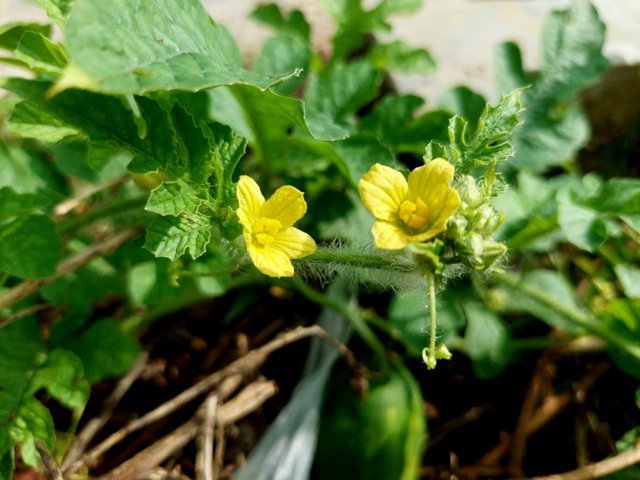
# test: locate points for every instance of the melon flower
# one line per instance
(409, 210)
(270, 237)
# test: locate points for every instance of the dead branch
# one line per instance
(599, 469)
(204, 458)
(49, 464)
(25, 312)
(534, 417)
(233, 374)
(249, 399)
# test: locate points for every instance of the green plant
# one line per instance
(120, 164)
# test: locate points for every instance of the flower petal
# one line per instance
(294, 243)
(250, 201)
(431, 181)
(270, 261)
(389, 236)
(382, 189)
(286, 205)
(449, 205)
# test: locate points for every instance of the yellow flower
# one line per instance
(271, 239)
(409, 211)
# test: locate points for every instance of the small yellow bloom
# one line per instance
(409, 211)
(271, 239)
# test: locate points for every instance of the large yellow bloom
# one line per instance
(271, 239)
(409, 211)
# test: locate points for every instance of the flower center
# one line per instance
(264, 229)
(415, 215)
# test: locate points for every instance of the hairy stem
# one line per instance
(354, 258)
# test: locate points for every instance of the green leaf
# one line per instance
(340, 91)
(556, 288)
(622, 318)
(355, 22)
(29, 121)
(228, 149)
(104, 120)
(580, 224)
(105, 350)
(618, 196)
(509, 71)
(92, 162)
(551, 139)
(33, 422)
(150, 283)
(102, 346)
(486, 341)
(629, 277)
(174, 198)
(26, 367)
(284, 54)
(85, 286)
(572, 57)
(491, 141)
(172, 237)
(175, 143)
(572, 60)
(29, 246)
(464, 102)
(57, 10)
(27, 171)
(401, 58)
(359, 153)
(141, 46)
(7, 461)
(11, 33)
(41, 54)
(62, 376)
(268, 121)
(212, 271)
(585, 208)
(13, 204)
(294, 24)
(392, 121)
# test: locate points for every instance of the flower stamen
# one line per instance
(264, 229)
(414, 215)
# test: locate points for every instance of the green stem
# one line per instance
(356, 259)
(581, 318)
(429, 353)
(352, 316)
(382, 324)
(432, 314)
(73, 224)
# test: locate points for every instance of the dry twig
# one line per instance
(25, 312)
(49, 464)
(232, 374)
(599, 469)
(249, 399)
(204, 458)
(534, 417)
